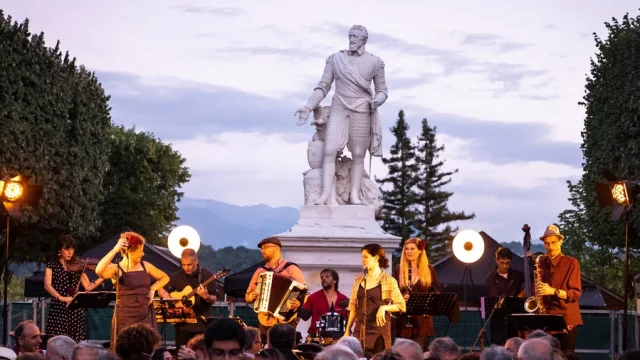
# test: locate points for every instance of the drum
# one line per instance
(332, 325)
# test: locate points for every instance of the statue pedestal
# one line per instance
(332, 237)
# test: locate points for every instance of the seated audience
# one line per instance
(224, 339)
(409, 349)
(137, 342)
(60, 347)
(444, 348)
(535, 349)
(282, 337)
(336, 352)
(7, 354)
(513, 345)
(28, 340)
(353, 344)
(496, 353)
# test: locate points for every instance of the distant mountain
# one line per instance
(220, 224)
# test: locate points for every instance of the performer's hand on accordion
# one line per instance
(293, 304)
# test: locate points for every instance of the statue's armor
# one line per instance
(346, 126)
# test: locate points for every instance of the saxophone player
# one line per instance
(503, 281)
(560, 286)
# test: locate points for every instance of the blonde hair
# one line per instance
(423, 264)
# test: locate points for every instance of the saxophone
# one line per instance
(534, 303)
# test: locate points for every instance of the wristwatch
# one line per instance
(557, 293)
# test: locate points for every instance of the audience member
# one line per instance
(224, 339)
(27, 335)
(270, 354)
(409, 349)
(444, 348)
(337, 352)
(86, 350)
(535, 349)
(161, 354)
(496, 353)
(137, 342)
(252, 343)
(60, 347)
(7, 354)
(282, 337)
(352, 344)
(388, 354)
(513, 345)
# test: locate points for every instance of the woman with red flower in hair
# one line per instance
(134, 290)
(415, 275)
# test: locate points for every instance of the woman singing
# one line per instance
(415, 275)
(62, 284)
(134, 291)
(382, 297)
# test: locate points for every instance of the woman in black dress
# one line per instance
(134, 290)
(62, 284)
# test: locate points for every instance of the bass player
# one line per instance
(191, 275)
(272, 255)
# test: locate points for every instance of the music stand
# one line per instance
(172, 311)
(96, 299)
(544, 322)
(431, 304)
(510, 305)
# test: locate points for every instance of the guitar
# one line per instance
(188, 293)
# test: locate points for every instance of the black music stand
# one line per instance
(432, 304)
(96, 299)
(544, 322)
(510, 305)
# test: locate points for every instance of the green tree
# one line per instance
(399, 199)
(141, 185)
(55, 119)
(611, 135)
(433, 217)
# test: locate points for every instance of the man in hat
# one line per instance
(272, 255)
(560, 285)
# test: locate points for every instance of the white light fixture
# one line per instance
(468, 246)
(181, 238)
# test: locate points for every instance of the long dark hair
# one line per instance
(377, 250)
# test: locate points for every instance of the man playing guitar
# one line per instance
(272, 256)
(191, 275)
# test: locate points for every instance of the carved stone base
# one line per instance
(332, 237)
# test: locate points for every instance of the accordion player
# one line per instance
(274, 292)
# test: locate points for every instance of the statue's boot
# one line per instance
(324, 197)
(355, 197)
(357, 171)
(328, 173)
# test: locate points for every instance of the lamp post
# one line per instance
(13, 192)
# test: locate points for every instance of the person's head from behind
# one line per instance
(281, 337)
(353, 344)
(535, 349)
(388, 354)
(409, 349)
(86, 350)
(27, 336)
(224, 339)
(444, 348)
(60, 348)
(513, 345)
(270, 354)
(137, 342)
(336, 352)
(7, 354)
(496, 353)
(252, 343)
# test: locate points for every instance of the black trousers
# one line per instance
(568, 340)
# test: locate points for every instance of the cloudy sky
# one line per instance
(220, 80)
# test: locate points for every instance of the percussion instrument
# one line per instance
(332, 325)
(274, 291)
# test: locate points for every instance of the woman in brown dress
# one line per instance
(382, 298)
(415, 276)
(134, 293)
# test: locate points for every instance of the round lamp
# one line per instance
(468, 246)
(181, 238)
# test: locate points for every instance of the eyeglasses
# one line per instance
(265, 247)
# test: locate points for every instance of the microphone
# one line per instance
(366, 271)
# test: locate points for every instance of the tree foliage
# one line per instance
(55, 119)
(141, 185)
(433, 218)
(400, 198)
(611, 135)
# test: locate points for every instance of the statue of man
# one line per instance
(353, 119)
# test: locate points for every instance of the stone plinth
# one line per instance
(332, 237)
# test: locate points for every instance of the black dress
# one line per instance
(60, 320)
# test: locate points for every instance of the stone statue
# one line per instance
(340, 191)
(353, 118)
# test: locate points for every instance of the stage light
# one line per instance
(468, 246)
(12, 191)
(181, 238)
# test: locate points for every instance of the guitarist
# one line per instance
(272, 255)
(192, 275)
(503, 281)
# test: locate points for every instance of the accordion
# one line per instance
(273, 293)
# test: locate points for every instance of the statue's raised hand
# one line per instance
(303, 115)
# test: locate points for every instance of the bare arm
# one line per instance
(105, 269)
(48, 275)
(90, 285)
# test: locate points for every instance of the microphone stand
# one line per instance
(483, 331)
(363, 326)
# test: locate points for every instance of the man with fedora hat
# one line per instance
(272, 255)
(560, 285)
